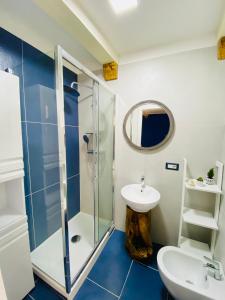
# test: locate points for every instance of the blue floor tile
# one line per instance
(153, 261)
(112, 266)
(90, 291)
(42, 291)
(143, 283)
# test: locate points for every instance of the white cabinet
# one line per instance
(15, 261)
(11, 154)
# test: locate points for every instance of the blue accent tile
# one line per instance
(25, 160)
(39, 83)
(72, 150)
(73, 195)
(112, 266)
(40, 104)
(70, 98)
(143, 283)
(42, 291)
(10, 50)
(71, 108)
(46, 212)
(170, 297)
(43, 154)
(30, 221)
(11, 57)
(90, 291)
(38, 67)
(68, 76)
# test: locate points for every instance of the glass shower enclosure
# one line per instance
(85, 126)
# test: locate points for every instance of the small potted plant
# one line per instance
(200, 181)
(210, 177)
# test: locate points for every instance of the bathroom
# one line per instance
(87, 210)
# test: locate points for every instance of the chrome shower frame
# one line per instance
(72, 286)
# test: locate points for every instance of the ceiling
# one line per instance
(155, 23)
(31, 24)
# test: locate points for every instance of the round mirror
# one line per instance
(148, 125)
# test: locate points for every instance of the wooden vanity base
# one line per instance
(138, 234)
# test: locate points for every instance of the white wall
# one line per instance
(191, 84)
(85, 108)
(28, 22)
(220, 244)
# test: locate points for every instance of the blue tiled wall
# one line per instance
(40, 140)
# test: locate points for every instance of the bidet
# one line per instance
(186, 277)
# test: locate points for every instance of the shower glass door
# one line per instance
(105, 156)
(78, 94)
(86, 132)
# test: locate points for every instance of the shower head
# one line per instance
(71, 90)
(86, 139)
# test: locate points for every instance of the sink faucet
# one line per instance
(213, 268)
(142, 182)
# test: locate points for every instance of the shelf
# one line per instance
(195, 247)
(206, 188)
(200, 218)
(10, 220)
(11, 176)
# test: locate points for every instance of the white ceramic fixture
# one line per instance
(186, 276)
(15, 261)
(140, 199)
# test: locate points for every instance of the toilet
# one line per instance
(186, 277)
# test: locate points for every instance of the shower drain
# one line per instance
(76, 238)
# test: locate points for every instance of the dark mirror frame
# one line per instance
(168, 136)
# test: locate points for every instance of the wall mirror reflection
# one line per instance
(148, 125)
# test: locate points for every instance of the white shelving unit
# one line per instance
(198, 217)
(15, 261)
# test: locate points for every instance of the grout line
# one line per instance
(51, 185)
(149, 267)
(48, 123)
(73, 176)
(45, 188)
(102, 287)
(31, 297)
(41, 123)
(72, 126)
(28, 154)
(126, 279)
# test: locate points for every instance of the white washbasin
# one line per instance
(140, 199)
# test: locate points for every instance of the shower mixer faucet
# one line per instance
(213, 268)
(86, 138)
